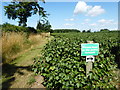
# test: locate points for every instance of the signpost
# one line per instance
(89, 50)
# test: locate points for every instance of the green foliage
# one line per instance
(44, 26)
(65, 30)
(10, 28)
(83, 31)
(23, 10)
(6, 27)
(89, 30)
(32, 30)
(62, 65)
(28, 0)
(104, 30)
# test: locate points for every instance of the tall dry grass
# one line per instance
(15, 43)
(12, 43)
(35, 39)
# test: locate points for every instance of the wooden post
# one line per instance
(88, 67)
(89, 64)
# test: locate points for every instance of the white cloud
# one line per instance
(84, 23)
(71, 19)
(93, 24)
(95, 11)
(115, 23)
(104, 21)
(82, 7)
(68, 24)
(114, 29)
(87, 20)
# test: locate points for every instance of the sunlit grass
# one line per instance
(15, 43)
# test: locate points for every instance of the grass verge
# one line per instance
(13, 44)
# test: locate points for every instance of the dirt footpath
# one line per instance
(18, 74)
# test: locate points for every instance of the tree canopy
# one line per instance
(44, 26)
(104, 30)
(23, 10)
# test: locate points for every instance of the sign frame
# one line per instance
(88, 49)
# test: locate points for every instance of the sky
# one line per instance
(79, 15)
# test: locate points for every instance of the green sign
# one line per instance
(89, 49)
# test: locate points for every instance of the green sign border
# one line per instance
(90, 48)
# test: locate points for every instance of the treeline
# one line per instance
(44, 27)
(102, 30)
(6, 27)
(65, 30)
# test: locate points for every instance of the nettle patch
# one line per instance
(62, 65)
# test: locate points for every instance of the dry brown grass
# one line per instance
(15, 43)
(12, 43)
(34, 39)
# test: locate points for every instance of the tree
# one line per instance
(104, 30)
(89, 30)
(44, 26)
(47, 26)
(23, 10)
(40, 26)
(83, 31)
(29, 0)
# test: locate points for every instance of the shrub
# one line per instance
(6, 27)
(104, 30)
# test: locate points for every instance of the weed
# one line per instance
(31, 80)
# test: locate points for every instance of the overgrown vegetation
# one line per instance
(6, 27)
(18, 38)
(62, 65)
(13, 43)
